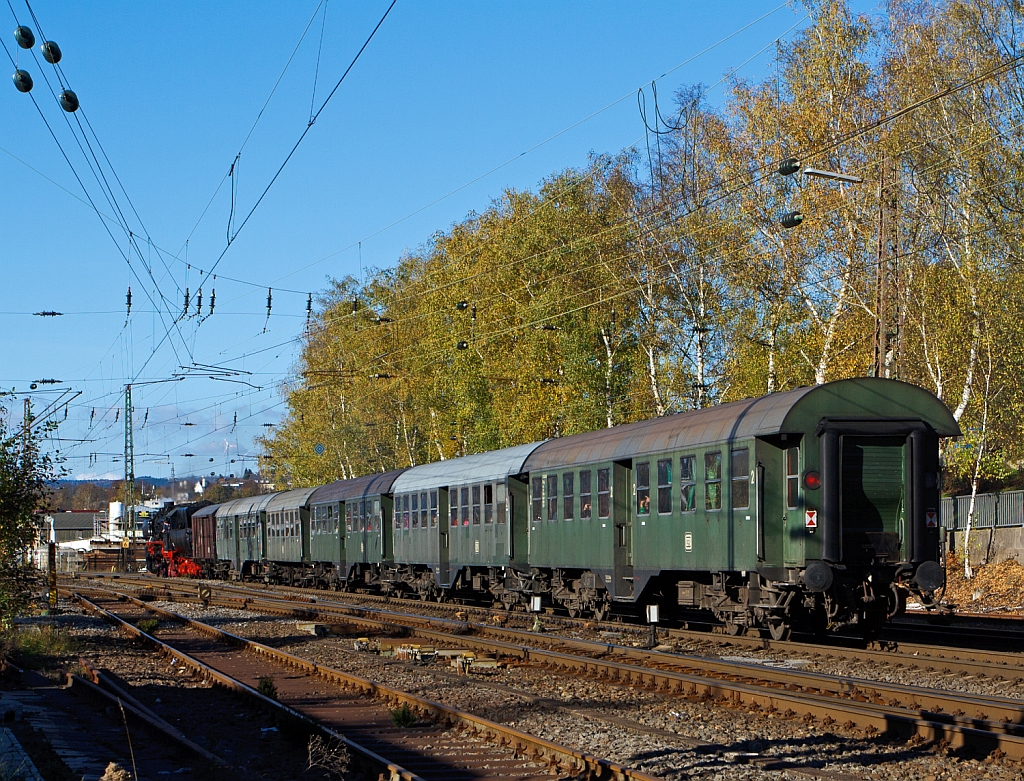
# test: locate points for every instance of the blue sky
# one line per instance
(445, 93)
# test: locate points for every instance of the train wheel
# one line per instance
(574, 612)
(733, 629)
(779, 629)
(601, 612)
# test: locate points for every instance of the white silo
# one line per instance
(115, 518)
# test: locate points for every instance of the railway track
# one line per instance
(981, 723)
(930, 654)
(439, 743)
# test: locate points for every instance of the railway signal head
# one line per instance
(792, 219)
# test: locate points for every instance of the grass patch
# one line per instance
(147, 625)
(38, 647)
(267, 687)
(403, 717)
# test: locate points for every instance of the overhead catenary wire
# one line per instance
(100, 176)
(303, 135)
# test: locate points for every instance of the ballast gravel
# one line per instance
(667, 736)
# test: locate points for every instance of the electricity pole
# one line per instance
(888, 341)
(129, 476)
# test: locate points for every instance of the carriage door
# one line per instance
(873, 498)
(374, 549)
(622, 516)
(443, 530)
(794, 518)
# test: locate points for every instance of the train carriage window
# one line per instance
(423, 510)
(537, 499)
(397, 513)
(568, 496)
(552, 497)
(433, 509)
(739, 475)
(793, 478)
(687, 484)
(643, 488)
(585, 502)
(375, 523)
(488, 502)
(665, 486)
(502, 498)
(348, 517)
(712, 481)
(476, 505)
(604, 493)
(415, 511)
(405, 511)
(453, 502)
(464, 505)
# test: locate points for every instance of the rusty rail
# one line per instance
(580, 764)
(394, 772)
(931, 714)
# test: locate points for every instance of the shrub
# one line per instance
(403, 717)
(267, 687)
(147, 625)
(34, 647)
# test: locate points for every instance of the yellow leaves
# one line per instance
(603, 296)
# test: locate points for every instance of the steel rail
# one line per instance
(394, 772)
(580, 763)
(1005, 714)
(926, 657)
(868, 705)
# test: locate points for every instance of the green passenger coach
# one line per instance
(350, 531)
(816, 506)
(460, 525)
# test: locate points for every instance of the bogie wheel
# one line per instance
(574, 612)
(601, 612)
(779, 630)
(733, 629)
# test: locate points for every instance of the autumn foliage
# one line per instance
(656, 281)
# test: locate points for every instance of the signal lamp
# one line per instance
(812, 480)
(792, 219)
(462, 305)
(462, 345)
